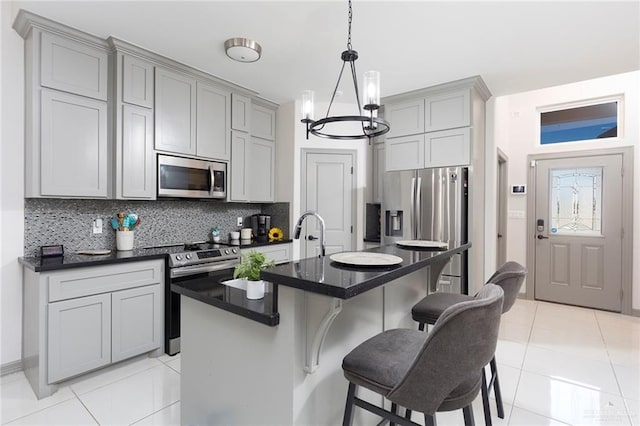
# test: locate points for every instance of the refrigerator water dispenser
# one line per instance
(393, 223)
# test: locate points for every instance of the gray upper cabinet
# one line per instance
(240, 112)
(239, 166)
(175, 117)
(378, 171)
(137, 81)
(261, 175)
(448, 148)
(405, 118)
(73, 67)
(447, 111)
(405, 153)
(263, 122)
(213, 122)
(135, 177)
(73, 146)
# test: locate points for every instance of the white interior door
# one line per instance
(328, 188)
(579, 231)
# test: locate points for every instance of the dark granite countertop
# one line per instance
(233, 299)
(73, 260)
(323, 276)
(254, 243)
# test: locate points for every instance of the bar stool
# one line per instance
(438, 371)
(510, 277)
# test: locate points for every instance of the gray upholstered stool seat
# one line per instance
(428, 372)
(429, 309)
(395, 349)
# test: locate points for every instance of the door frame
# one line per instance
(354, 185)
(627, 216)
(501, 207)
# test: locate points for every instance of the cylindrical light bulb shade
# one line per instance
(307, 104)
(371, 88)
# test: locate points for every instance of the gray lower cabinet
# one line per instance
(279, 253)
(79, 336)
(77, 320)
(134, 329)
(73, 146)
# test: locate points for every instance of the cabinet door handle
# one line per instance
(542, 237)
(311, 237)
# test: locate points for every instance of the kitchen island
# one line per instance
(238, 371)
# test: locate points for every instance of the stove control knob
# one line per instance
(226, 251)
(234, 250)
(188, 256)
(178, 257)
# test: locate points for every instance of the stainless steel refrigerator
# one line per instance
(429, 204)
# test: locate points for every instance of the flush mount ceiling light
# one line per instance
(370, 125)
(243, 49)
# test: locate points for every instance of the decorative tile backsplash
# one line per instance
(163, 222)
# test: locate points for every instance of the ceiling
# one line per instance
(515, 46)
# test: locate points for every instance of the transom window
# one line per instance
(581, 123)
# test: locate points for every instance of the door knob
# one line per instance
(542, 237)
(311, 237)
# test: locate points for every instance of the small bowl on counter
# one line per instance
(234, 235)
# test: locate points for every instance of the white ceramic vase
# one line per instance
(255, 289)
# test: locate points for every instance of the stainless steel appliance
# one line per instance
(196, 262)
(429, 204)
(260, 224)
(189, 178)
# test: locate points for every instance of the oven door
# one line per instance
(200, 276)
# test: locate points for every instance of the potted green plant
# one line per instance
(249, 269)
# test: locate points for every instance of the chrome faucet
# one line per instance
(311, 237)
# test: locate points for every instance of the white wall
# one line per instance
(515, 127)
(288, 185)
(11, 186)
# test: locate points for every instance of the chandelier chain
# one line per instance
(350, 19)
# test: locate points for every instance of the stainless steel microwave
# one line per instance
(189, 178)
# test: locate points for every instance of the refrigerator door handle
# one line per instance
(412, 210)
(419, 209)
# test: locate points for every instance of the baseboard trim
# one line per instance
(10, 367)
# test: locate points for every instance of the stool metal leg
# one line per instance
(394, 410)
(430, 420)
(467, 412)
(348, 409)
(485, 400)
(496, 387)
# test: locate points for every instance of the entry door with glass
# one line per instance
(579, 231)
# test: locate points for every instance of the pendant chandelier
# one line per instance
(370, 125)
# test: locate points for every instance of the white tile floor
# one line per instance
(558, 365)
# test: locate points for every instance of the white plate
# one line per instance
(423, 244)
(365, 258)
(93, 252)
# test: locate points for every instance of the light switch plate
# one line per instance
(97, 226)
(239, 223)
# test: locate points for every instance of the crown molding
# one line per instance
(474, 82)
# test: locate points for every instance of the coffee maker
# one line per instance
(261, 223)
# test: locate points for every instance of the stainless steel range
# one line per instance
(201, 262)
